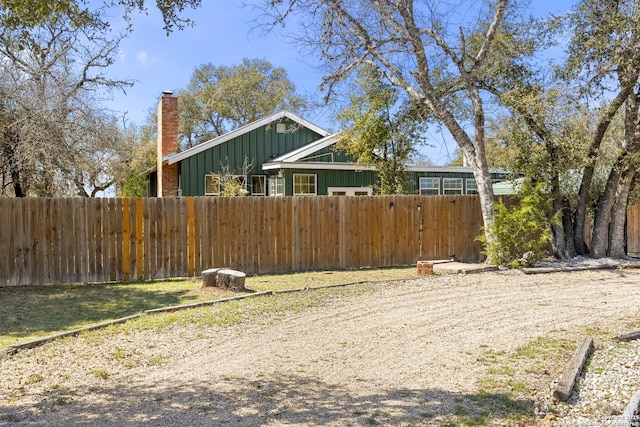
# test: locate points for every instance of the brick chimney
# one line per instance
(167, 144)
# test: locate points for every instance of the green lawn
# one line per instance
(30, 312)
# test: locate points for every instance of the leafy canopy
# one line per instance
(380, 131)
(222, 98)
(27, 14)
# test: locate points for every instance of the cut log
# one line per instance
(576, 365)
(209, 276)
(630, 336)
(231, 279)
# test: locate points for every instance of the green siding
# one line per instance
(257, 146)
(331, 178)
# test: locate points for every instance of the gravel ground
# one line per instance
(611, 378)
(428, 351)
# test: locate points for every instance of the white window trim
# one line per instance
(277, 181)
(432, 179)
(315, 184)
(474, 186)
(350, 191)
(457, 190)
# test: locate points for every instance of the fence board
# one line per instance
(81, 243)
(633, 229)
(8, 260)
(126, 236)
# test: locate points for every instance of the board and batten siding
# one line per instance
(256, 147)
(326, 178)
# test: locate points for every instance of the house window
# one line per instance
(258, 185)
(451, 185)
(472, 186)
(429, 186)
(211, 185)
(276, 186)
(304, 184)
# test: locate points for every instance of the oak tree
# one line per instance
(431, 52)
(380, 131)
(222, 98)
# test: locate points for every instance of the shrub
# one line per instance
(521, 233)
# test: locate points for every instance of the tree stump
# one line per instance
(209, 277)
(224, 278)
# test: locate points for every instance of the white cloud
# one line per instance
(143, 58)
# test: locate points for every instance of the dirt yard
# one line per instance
(450, 350)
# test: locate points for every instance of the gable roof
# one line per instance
(242, 130)
(304, 151)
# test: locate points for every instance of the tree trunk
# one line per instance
(617, 240)
(562, 238)
(600, 239)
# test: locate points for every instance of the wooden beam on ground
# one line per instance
(540, 270)
(629, 337)
(576, 365)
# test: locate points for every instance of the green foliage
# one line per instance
(26, 14)
(223, 98)
(134, 186)
(131, 180)
(230, 186)
(521, 233)
(380, 131)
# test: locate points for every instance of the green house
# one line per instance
(279, 155)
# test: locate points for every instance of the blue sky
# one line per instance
(223, 35)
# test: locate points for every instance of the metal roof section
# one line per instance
(316, 166)
(244, 129)
(282, 164)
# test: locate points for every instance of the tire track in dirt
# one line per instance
(400, 345)
(429, 331)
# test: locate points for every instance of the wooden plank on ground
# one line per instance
(629, 336)
(576, 365)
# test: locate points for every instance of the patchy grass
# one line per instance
(30, 312)
(262, 309)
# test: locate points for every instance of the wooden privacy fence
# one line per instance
(97, 240)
